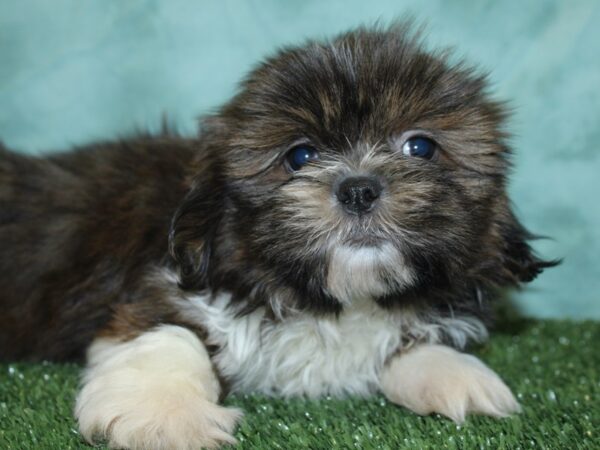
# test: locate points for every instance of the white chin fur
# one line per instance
(355, 273)
(438, 379)
(157, 391)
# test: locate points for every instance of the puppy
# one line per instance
(338, 228)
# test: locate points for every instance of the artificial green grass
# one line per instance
(552, 366)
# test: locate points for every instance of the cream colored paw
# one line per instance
(156, 392)
(156, 423)
(438, 379)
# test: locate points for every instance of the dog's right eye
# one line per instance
(299, 156)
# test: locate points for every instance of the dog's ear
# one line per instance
(519, 262)
(194, 226)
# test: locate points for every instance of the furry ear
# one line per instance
(194, 226)
(520, 263)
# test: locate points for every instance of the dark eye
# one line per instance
(301, 155)
(419, 146)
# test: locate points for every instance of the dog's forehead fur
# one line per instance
(368, 86)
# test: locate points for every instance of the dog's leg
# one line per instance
(157, 391)
(438, 379)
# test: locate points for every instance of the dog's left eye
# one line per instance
(419, 146)
(301, 155)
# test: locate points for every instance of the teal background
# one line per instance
(72, 71)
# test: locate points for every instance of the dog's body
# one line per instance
(79, 232)
(335, 229)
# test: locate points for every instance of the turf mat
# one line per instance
(552, 366)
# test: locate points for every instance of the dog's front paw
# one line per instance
(156, 392)
(437, 379)
(155, 421)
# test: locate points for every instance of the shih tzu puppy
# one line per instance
(339, 227)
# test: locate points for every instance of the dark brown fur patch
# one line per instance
(79, 232)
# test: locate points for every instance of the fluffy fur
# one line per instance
(314, 356)
(196, 265)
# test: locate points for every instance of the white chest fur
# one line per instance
(306, 355)
(302, 355)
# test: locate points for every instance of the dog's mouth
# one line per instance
(364, 240)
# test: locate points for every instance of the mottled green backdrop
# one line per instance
(72, 71)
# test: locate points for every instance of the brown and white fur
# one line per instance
(188, 268)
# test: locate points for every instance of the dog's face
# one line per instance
(362, 168)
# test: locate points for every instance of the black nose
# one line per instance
(357, 194)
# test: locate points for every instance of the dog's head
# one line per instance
(360, 168)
